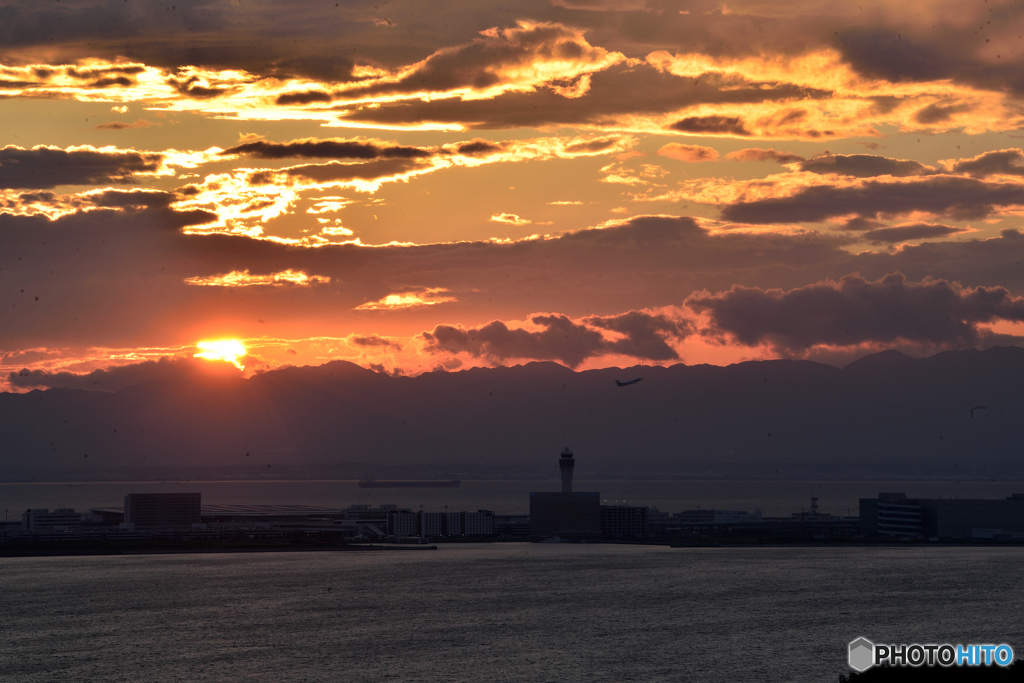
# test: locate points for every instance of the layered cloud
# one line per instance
(540, 73)
(829, 187)
(910, 231)
(519, 58)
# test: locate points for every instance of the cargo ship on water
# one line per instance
(371, 483)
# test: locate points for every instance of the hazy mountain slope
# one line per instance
(884, 414)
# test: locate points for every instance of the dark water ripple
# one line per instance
(499, 612)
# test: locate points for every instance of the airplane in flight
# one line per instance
(626, 384)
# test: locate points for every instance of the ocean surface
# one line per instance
(497, 612)
(773, 498)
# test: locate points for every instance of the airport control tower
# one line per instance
(566, 464)
(566, 513)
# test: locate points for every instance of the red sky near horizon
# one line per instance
(417, 186)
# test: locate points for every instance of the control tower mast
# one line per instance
(566, 464)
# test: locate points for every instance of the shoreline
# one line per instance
(128, 551)
(40, 550)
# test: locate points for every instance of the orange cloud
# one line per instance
(424, 297)
(510, 219)
(689, 153)
(123, 125)
(243, 278)
(758, 154)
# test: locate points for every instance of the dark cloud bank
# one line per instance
(644, 336)
(958, 197)
(855, 311)
(325, 149)
(46, 167)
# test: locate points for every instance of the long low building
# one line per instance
(242, 513)
(894, 514)
(384, 520)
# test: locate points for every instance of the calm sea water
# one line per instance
(774, 498)
(496, 612)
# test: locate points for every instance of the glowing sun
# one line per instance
(229, 350)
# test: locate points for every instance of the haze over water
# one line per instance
(773, 498)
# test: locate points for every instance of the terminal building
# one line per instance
(565, 512)
(894, 514)
(162, 509)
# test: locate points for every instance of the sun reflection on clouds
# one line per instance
(245, 199)
(229, 350)
(242, 278)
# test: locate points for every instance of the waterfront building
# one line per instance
(512, 524)
(433, 523)
(656, 516)
(711, 516)
(408, 523)
(403, 523)
(624, 521)
(479, 523)
(453, 525)
(61, 519)
(894, 514)
(162, 509)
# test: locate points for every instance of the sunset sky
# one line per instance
(415, 186)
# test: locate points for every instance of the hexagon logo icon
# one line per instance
(862, 654)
